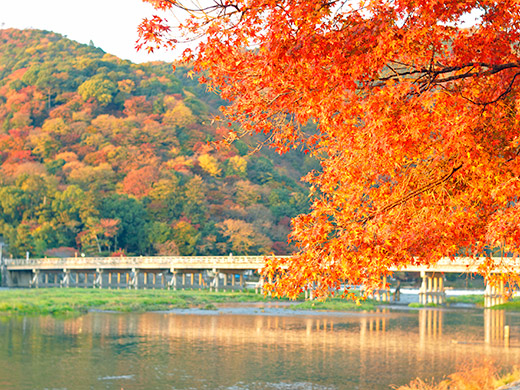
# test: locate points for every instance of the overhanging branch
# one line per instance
(411, 195)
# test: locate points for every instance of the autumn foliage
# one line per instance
(417, 118)
(102, 156)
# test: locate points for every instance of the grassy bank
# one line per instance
(471, 299)
(337, 304)
(485, 376)
(478, 300)
(58, 301)
(512, 305)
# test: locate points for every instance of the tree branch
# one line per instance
(410, 195)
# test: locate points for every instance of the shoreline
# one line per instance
(78, 301)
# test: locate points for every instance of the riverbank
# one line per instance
(484, 376)
(58, 301)
(478, 300)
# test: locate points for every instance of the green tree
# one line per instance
(102, 90)
(131, 235)
(195, 200)
(186, 238)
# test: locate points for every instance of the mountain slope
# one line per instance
(101, 155)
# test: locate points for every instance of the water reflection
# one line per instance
(494, 323)
(163, 350)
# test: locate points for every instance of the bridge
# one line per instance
(213, 272)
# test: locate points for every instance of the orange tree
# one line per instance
(417, 122)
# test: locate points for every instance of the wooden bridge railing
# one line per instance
(159, 262)
(457, 265)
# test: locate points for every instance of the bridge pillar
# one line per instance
(98, 278)
(66, 278)
(432, 288)
(213, 279)
(134, 279)
(5, 275)
(260, 286)
(173, 282)
(184, 280)
(494, 294)
(383, 294)
(35, 279)
(217, 281)
(145, 280)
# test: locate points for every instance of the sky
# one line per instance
(110, 24)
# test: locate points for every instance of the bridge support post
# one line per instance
(494, 294)
(242, 281)
(35, 279)
(382, 294)
(173, 282)
(98, 279)
(215, 283)
(134, 279)
(66, 278)
(432, 288)
(260, 286)
(5, 275)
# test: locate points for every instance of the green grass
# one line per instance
(76, 301)
(474, 299)
(420, 305)
(56, 301)
(337, 304)
(478, 300)
(512, 305)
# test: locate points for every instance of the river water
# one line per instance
(253, 348)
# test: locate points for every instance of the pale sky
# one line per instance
(110, 24)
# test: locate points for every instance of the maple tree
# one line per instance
(417, 122)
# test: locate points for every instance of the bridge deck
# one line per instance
(149, 263)
(446, 265)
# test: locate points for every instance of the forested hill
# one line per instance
(100, 155)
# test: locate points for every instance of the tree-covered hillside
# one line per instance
(101, 155)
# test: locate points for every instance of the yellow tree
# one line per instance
(417, 122)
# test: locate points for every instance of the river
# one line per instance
(253, 348)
